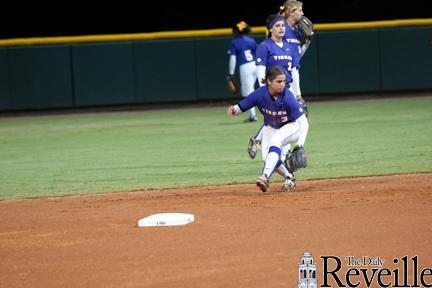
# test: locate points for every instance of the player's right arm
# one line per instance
(232, 64)
(247, 103)
(250, 101)
(232, 51)
(233, 110)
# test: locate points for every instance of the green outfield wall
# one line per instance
(164, 71)
(103, 73)
(40, 77)
(5, 100)
(41, 74)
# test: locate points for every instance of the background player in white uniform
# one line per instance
(284, 122)
(242, 51)
(292, 11)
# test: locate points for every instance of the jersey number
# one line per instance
(289, 66)
(248, 55)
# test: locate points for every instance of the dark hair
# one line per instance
(269, 21)
(272, 73)
(241, 28)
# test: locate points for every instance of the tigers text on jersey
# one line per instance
(270, 54)
(277, 112)
(244, 47)
(293, 37)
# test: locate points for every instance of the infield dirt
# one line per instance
(241, 237)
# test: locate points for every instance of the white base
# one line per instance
(166, 219)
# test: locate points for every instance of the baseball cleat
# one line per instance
(263, 183)
(289, 183)
(253, 146)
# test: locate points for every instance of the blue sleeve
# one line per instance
(249, 102)
(232, 49)
(261, 55)
(292, 105)
(291, 100)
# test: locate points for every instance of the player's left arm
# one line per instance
(261, 63)
(261, 74)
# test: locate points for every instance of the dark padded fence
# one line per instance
(309, 70)
(348, 61)
(103, 74)
(40, 77)
(5, 98)
(82, 75)
(212, 67)
(406, 58)
(165, 71)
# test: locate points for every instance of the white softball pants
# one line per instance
(281, 138)
(248, 77)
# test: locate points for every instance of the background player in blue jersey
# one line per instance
(242, 51)
(284, 122)
(292, 11)
(271, 52)
(274, 50)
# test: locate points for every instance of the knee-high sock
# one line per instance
(252, 113)
(282, 170)
(272, 160)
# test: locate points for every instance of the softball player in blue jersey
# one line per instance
(284, 122)
(274, 50)
(292, 12)
(242, 51)
(271, 52)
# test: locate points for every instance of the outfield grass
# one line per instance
(92, 153)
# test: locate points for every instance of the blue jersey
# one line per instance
(269, 54)
(293, 36)
(244, 48)
(277, 112)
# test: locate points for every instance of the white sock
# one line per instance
(252, 113)
(283, 171)
(270, 163)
